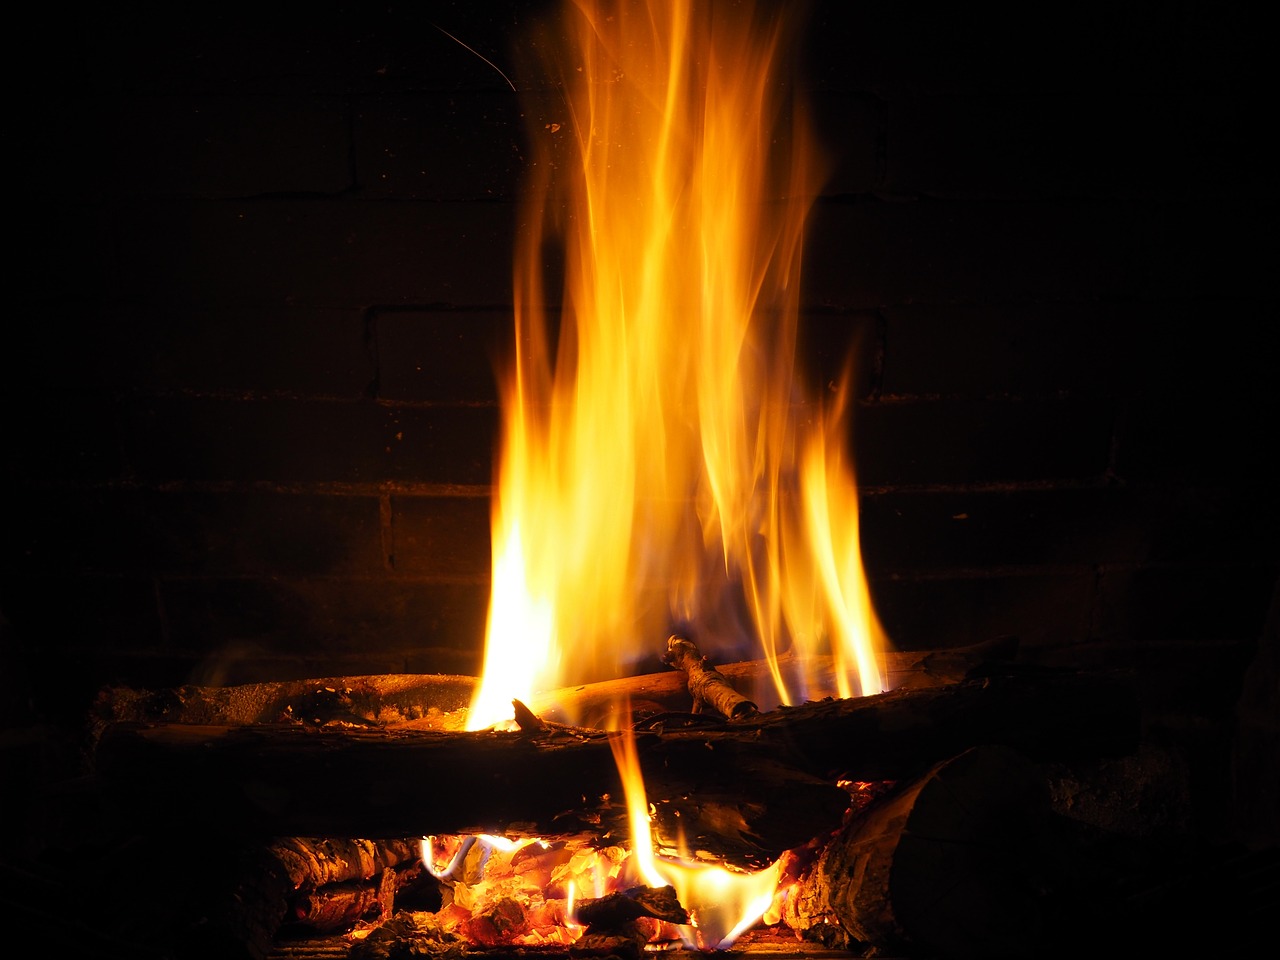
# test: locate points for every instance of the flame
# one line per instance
(663, 465)
(722, 904)
(661, 462)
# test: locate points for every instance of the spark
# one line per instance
(477, 53)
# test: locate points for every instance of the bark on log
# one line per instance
(754, 789)
(949, 863)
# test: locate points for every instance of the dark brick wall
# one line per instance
(264, 266)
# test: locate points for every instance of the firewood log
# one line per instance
(947, 864)
(436, 701)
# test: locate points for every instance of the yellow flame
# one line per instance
(660, 464)
(722, 904)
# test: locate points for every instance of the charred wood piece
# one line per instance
(626, 905)
(616, 924)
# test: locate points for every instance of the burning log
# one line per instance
(749, 790)
(439, 701)
(668, 692)
(949, 863)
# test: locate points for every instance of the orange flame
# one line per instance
(661, 464)
(722, 904)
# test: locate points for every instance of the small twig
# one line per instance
(707, 686)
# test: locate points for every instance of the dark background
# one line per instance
(263, 264)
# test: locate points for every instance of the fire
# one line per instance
(523, 892)
(661, 461)
(721, 904)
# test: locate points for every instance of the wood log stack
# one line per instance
(308, 885)
(953, 743)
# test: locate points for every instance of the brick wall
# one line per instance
(265, 259)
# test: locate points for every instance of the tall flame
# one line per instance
(661, 464)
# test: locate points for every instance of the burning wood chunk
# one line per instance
(620, 924)
(626, 905)
(498, 922)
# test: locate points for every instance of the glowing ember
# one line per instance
(503, 892)
(500, 892)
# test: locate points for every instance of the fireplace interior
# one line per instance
(250, 414)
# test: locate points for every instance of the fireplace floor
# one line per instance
(766, 943)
